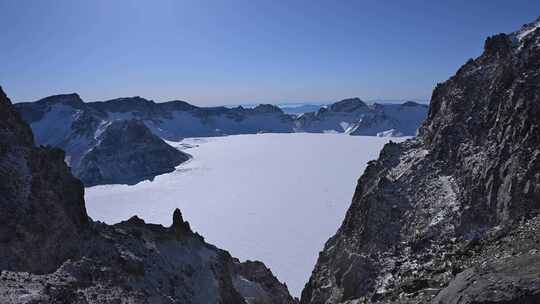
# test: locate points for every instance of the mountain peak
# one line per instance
(500, 44)
(133, 99)
(125, 104)
(177, 217)
(127, 152)
(180, 226)
(267, 108)
(72, 99)
(348, 105)
(526, 29)
(410, 103)
(176, 105)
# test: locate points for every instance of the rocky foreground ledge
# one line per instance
(52, 252)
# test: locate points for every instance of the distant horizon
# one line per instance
(246, 104)
(317, 101)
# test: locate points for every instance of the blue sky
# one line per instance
(246, 51)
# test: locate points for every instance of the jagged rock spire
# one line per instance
(180, 226)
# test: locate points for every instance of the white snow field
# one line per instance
(270, 197)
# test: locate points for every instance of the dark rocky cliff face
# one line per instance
(453, 215)
(52, 252)
(41, 205)
(126, 153)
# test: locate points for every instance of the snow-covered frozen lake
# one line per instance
(270, 197)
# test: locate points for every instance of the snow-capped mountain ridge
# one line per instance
(67, 122)
(525, 30)
(355, 117)
(178, 119)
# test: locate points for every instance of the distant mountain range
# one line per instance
(355, 117)
(298, 108)
(79, 128)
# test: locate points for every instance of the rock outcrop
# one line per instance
(451, 216)
(126, 153)
(41, 205)
(258, 285)
(52, 252)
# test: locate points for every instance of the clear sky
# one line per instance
(246, 51)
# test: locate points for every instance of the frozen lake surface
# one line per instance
(270, 197)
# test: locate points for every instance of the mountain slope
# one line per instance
(41, 205)
(453, 215)
(126, 153)
(51, 252)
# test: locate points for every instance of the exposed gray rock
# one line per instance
(258, 285)
(514, 280)
(453, 215)
(126, 153)
(51, 252)
(42, 211)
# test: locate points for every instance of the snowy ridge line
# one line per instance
(79, 128)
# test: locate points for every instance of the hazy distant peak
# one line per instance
(267, 108)
(134, 99)
(348, 105)
(176, 105)
(411, 103)
(69, 99)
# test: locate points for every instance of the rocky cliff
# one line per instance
(453, 215)
(52, 252)
(41, 205)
